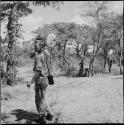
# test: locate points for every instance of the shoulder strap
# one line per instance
(47, 64)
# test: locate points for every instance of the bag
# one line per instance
(32, 54)
(50, 79)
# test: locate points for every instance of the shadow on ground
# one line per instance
(20, 114)
(30, 117)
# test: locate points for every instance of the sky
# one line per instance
(69, 12)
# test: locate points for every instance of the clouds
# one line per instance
(78, 20)
(30, 23)
(69, 12)
(83, 20)
(31, 20)
(113, 6)
(116, 6)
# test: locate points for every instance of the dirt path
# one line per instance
(79, 100)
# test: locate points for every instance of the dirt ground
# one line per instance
(97, 99)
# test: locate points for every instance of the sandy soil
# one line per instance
(98, 99)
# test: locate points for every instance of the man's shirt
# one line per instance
(42, 63)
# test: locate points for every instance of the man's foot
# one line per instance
(49, 117)
(41, 120)
(37, 119)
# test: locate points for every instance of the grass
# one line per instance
(70, 99)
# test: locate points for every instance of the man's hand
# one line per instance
(28, 85)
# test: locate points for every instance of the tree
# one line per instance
(115, 36)
(97, 11)
(65, 32)
(53, 4)
(11, 12)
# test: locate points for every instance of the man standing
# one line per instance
(41, 65)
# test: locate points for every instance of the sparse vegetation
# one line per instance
(90, 99)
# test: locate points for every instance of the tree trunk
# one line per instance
(104, 64)
(121, 72)
(119, 55)
(77, 51)
(64, 60)
(10, 61)
(91, 68)
(105, 60)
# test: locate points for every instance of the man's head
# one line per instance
(39, 44)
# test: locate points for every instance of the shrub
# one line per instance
(98, 65)
(71, 71)
(98, 68)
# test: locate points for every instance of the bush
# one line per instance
(98, 65)
(98, 69)
(71, 71)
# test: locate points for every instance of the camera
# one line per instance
(32, 55)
